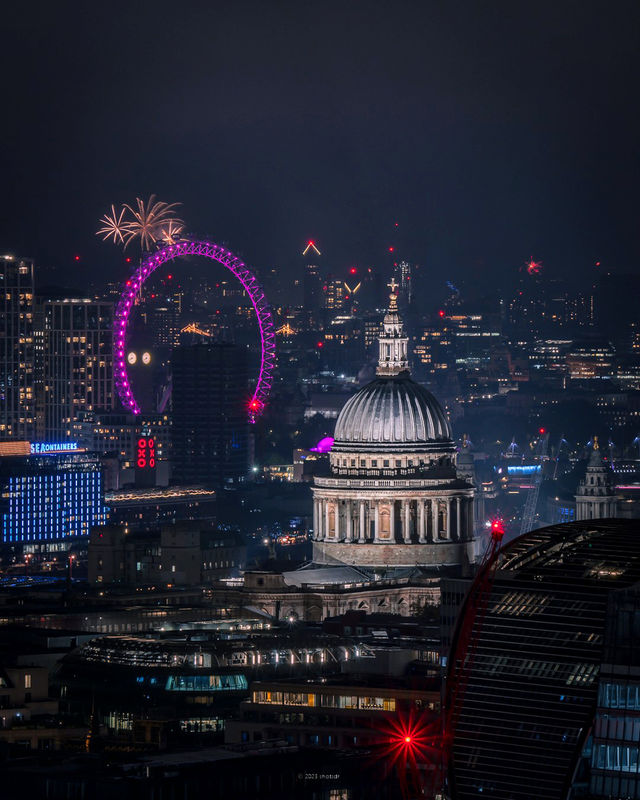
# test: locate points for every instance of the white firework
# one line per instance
(113, 226)
(149, 220)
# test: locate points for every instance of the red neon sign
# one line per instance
(146, 453)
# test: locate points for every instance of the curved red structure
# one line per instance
(250, 283)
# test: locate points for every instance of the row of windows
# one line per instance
(621, 758)
(619, 695)
(206, 683)
(324, 700)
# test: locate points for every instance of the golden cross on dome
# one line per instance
(393, 285)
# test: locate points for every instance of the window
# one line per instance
(27, 681)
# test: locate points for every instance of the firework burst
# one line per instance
(113, 226)
(171, 231)
(148, 222)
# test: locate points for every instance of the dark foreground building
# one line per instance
(209, 434)
(549, 708)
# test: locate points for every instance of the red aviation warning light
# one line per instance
(497, 529)
(542, 431)
(311, 245)
(391, 249)
(353, 270)
(441, 313)
(319, 344)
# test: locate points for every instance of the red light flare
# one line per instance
(76, 258)
(497, 529)
(319, 344)
(353, 270)
(254, 404)
(391, 249)
(128, 260)
(408, 744)
(441, 313)
(542, 431)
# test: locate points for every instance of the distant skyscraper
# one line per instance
(17, 401)
(209, 433)
(312, 282)
(77, 360)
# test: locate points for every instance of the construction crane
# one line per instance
(530, 506)
(557, 456)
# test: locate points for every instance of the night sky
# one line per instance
(491, 131)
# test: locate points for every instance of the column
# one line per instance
(434, 519)
(392, 519)
(422, 533)
(448, 525)
(406, 522)
(349, 506)
(337, 521)
(362, 537)
(325, 532)
(458, 531)
(315, 518)
(376, 524)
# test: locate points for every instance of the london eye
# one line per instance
(214, 252)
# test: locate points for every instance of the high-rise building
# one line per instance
(17, 393)
(312, 282)
(209, 432)
(77, 372)
(334, 293)
(543, 639)
(55, 493)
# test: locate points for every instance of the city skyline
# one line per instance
(489, 134)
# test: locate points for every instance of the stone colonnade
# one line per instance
(408, 520)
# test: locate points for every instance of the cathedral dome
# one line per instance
(392, 414)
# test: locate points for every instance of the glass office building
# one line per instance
(543, 696)
(50, 496)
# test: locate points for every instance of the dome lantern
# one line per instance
(392, 342)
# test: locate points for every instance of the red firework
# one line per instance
(534, 267)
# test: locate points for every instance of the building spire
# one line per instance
(393, 343)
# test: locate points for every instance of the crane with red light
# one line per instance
(529, 513)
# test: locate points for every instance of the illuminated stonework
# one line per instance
(394, 497)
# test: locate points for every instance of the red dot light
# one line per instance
(353, 270)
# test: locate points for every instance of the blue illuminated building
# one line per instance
(54, 495)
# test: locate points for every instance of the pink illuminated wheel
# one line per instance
(256, 404)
